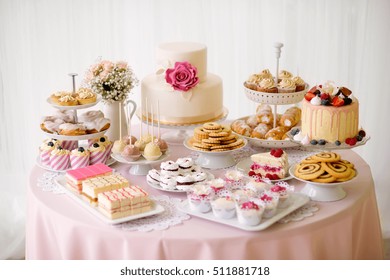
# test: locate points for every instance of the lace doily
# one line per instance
(170, 217)
(306, 210)
(47, 184)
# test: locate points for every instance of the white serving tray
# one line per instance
(75, 137)
(298, 200)
(61, 181)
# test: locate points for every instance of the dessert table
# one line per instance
(58, 228)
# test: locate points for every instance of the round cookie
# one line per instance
(337, 169)
(308, 171)
(325, 178)
(326, 157)
(212, 126)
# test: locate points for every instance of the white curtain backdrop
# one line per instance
(42, 41)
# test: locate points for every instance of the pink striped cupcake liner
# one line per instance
(59, 162)
(69, 145)
(97, 157)
(108, 152)
(45, 157)
(78, 161)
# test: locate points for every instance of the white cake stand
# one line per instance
(179, 132)
(140, 167)
(325, 192)
(213, 160)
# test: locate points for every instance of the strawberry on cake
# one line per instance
(272, 165)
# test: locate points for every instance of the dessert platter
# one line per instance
(196, 99)
(107, 196)
(239, 201)
(177, 176)
(214, 143)
(324, 174)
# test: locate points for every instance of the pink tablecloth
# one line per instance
(58, 228)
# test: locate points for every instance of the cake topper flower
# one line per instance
(182, 77)
(113, 81)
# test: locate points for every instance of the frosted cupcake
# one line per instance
(234, 179)
(218, 186)
(223, 207)
(249, 213)
(79, 158)
(299, 83)
(97, 154)
(270, 201)
(267, 85)
(199, 197)
(59, 159)
(284, 195)
(257, 185)
(284, 74)
(44, 152)
(286, 86)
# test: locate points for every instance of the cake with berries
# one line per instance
(330, 114)
(272, 165)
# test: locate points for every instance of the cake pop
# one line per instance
(131, 153)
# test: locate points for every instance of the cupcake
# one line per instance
(234, 179)
(85, 96)
(249, 213)
(223, 207)
(44, 152)
(199, 197)
(79, 158)
(284, 194)
(153, 176)
(286, 86)
(299, 83)
(151, 151)
(97, 153)
(131, 153)
(270, 201)
(257, 185)
(185, 165)
(69, 144)
(169, 168)
(108, 145)
(59, 159)
(284, 74)
(218, 186)
(267, 85)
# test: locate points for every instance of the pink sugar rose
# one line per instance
(182, 77)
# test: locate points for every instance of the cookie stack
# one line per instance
(214, 137)
(325, 167)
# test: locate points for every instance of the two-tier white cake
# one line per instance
(186, 92)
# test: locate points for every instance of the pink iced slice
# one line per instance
(89, 171)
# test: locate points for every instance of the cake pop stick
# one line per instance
(140, 127)
(120, 119)
(151, 109)
(147, 116)
(158, 115)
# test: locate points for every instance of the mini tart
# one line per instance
(55, 97)
(67, 100)
(85, 96)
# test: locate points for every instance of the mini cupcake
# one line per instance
(267, 85)
(153, 176)
(108, 146)
(300, 84)
(234, 179)
(97, 154)
(224, 207)
(257, 185)
(270, 201)
(218, 186)
(131, 153)
(168, 182)
(79, 158)
(44, 152)
(169, 168)
(284, 194)
(284, 74)
(185, 165)
(249, 213)
(59, 159)
(199, 197)
(286, 86)
(85, 96)
(184, 181)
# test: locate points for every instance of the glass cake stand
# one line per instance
(179, 132)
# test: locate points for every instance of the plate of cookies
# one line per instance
(260, 131)
(324, 173)
(215, 143)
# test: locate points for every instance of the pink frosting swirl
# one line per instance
(182, 77)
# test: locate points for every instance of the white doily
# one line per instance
(306, 210)
(46, 183)
(170, 217)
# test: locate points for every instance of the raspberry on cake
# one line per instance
(272, 165)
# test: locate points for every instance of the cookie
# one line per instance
(309, 160)
(220, 134)
(352, 175)
(199, 134)
(308, 171)
(326, 157)
(212, 126)
(337, 169)
(226, 128)
(211, 141)
(236, 143)
(201, 146)
(325, 178)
